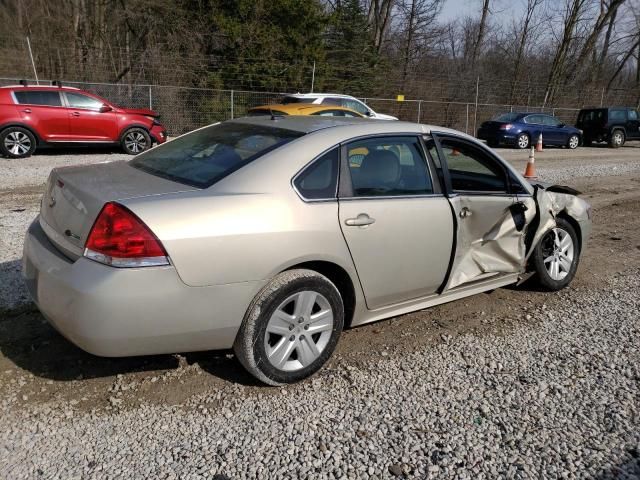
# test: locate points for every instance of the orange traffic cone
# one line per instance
(539, 144)
(530, 171)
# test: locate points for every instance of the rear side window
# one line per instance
(203, 157)
(537, 119)
(320, 179)
(388, 166)
(48, 98)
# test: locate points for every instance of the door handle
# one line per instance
(362, 220)
(75, 114)
(465, 212)
(27, 110)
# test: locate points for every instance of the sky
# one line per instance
(504, 9)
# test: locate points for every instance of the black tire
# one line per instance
(587, 142)
(17, 142)
(617, 139)
(545, 249)
(250, 345)
(573, 142)
(523, 141)
(135, 140)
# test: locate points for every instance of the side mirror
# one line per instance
(105, 108)
(368, 113)
(561, 125)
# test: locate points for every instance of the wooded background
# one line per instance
(553, 53)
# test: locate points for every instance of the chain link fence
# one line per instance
(183, 109)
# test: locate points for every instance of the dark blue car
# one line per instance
(523, 129)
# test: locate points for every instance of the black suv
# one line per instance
(613, 125)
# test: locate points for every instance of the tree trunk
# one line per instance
(481, 29)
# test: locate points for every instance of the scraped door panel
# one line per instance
(491, 234)
(404, 253)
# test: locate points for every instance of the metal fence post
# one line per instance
(231, 104)
(150, 99)
(419, 105)
(466, 125)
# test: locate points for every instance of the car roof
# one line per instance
(302, 108)
(318, 95)
(38, 87)
(313, 123)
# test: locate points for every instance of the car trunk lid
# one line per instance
(74, 197)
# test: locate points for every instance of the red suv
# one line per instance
(35, 116)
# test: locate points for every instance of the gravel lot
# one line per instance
(514, 383)
(555, 397)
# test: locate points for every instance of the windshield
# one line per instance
(506, 117)
(205, 156)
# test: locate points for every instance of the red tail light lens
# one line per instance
(121, 239)
(506, 126)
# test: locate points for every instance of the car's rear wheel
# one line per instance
(17, 142)
(291, 328)
(135, 141)
(617, 139)
(555, 258)
(523, 141)
(574, 141)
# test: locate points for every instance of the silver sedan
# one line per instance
(271, 235)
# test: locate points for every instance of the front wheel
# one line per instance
(555, 258)
(17, 142)
(135, 141)
(291, 328)
(573, 142)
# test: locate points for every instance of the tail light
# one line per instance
(506, 126)
(121, 239)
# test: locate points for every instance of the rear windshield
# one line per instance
(203, 157)
(287, 100)
(506, 117)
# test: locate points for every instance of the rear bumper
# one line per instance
(138, 311)
(501, 138)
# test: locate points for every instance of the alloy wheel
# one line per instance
(558, 251)
(523, 141)
(298, 330)
(573, 142)
(618, 138)
(135, 142)
(17, 143)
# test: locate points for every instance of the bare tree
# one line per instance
(378, 18)
(525, 31)
(481, 32)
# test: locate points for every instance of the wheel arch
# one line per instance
(124, 130)
(340, 278)
(575, 224)
(39, 141)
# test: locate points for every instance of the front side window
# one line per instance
(471, 169)
(391, 166)
(618, 116)
(77, 100)
(42, 97)
(320, 179)
(633, 115)
(203, 157)
(550, 121)
(537, 119)
(355, 105)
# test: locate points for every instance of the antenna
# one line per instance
(33, 63)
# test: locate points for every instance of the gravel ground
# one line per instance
(556, 397)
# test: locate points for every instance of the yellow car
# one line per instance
(302, 109)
